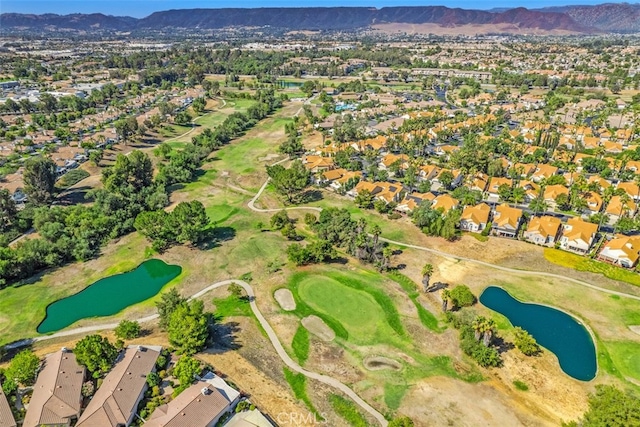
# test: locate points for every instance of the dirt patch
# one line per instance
(285, 299)
(442, 401)
(269, 158)
(379, 363)
(635, 328)
(317, 327)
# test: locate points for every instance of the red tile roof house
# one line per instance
(57, 394)
(116, 401)
(201, 405)
(6, 416)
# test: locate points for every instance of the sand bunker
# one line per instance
(378, 363)
(317, 327)
(635, 328)
(285, 299)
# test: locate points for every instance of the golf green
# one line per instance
(356, 310)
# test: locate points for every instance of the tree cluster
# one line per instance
(187, 223)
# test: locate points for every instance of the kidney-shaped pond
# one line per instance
(555, 330)
(110, 295)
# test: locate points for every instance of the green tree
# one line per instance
(525, 342)
(182, 118)
(189, 327)
(427, 271)
(364, 199)
(127, 330)
(461, 296)
(125, 128)
(39, 180)
(169, 301)
(610, 406)
(153, 379)
(198, 105)
(190, 221)
(96, 353)
(8, 210)
(186, 369)
(23, 368)
(289, 182)
(279, 220)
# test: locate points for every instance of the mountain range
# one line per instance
(604, 18)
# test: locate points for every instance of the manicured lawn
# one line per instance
(300, 344)
(348, 410)
(393, 394)
(241, 156)
(626, 357)
(232, 306)
(368, 314)
(582, 263)
(357, 311)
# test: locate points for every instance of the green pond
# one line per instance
(555, 330)
(110, 295)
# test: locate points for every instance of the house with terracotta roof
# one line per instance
(551, 192)
(594, 202)
(390, 158)
(57, 393)
(317, 163)
(543, 230)
(544, 171)
(578, 235)
(506, 221)
(387, 191)
(631, 188)
(116, 401)
(337, 178)
(6, 415)
(428, 172)
(444, 202)
(618, 208)
(621, 250)
(413, 200)
(494, 185)
(475, 218)
(200, 405)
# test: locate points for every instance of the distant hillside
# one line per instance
(76, 21)
(519, 20)
(610, 17)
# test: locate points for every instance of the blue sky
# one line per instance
(141, 8)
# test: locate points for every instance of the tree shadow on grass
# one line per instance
(502, 345)
(216, 235)
(224, 338)
(310, 196)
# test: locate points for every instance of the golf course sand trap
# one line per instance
(317, 327)
(285, 299)
(635, 328)
(378, 363)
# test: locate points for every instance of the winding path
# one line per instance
(534, 273)
(263, 322)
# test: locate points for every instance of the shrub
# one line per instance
(525, 342)
(88, 388)
(520, 385)
(310, 219)
(127, 330)
(279, 220)
(461, 296)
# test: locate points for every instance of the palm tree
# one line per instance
(427, 271)
(489, 330)
(478, 326)
(446, 296)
